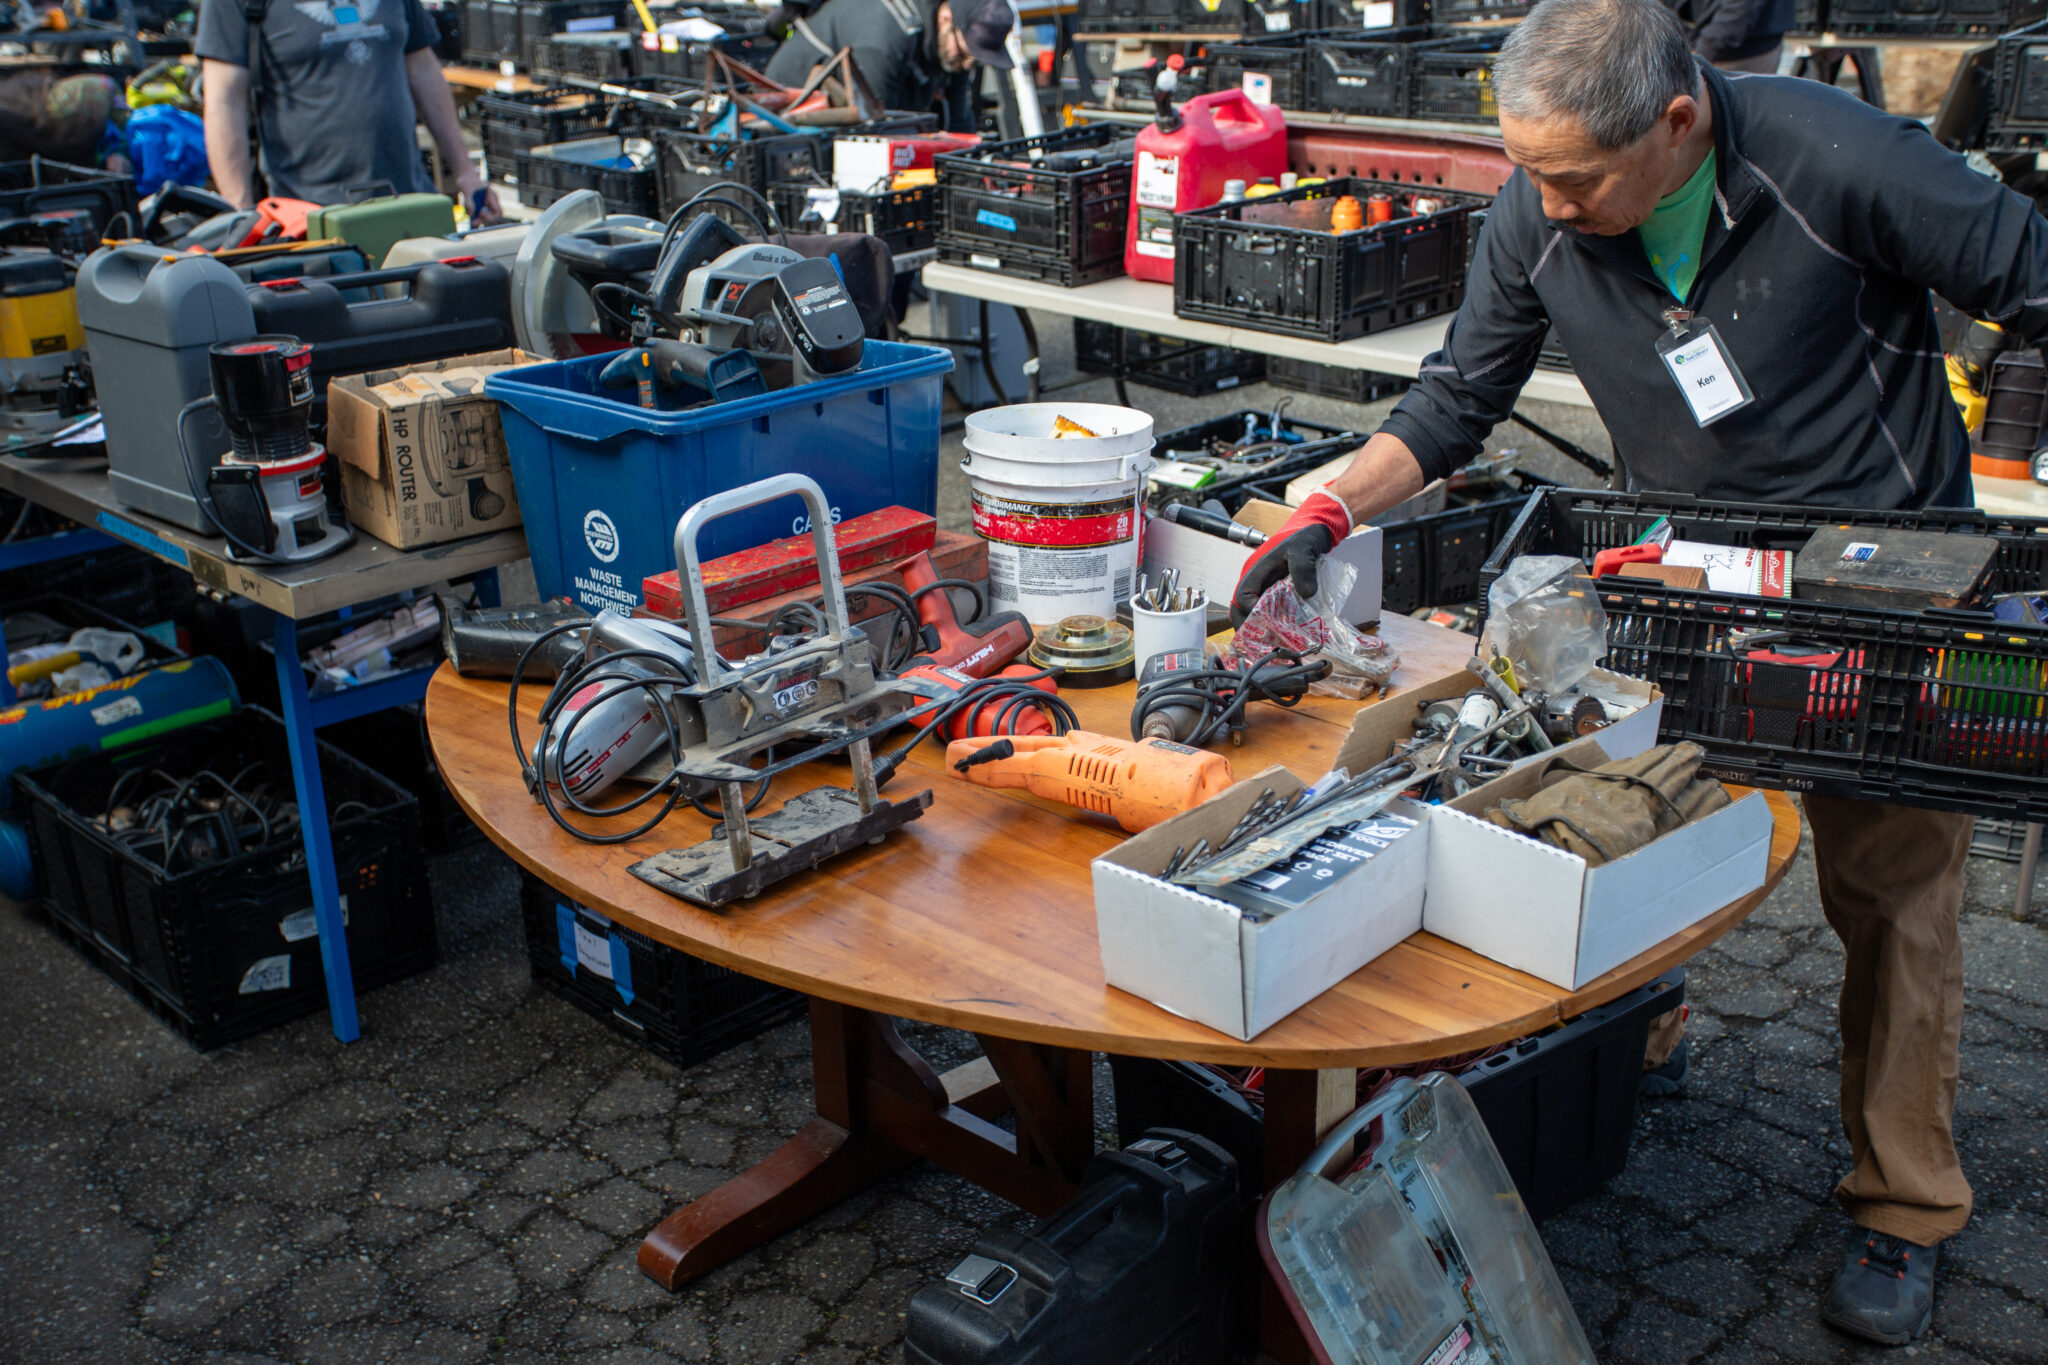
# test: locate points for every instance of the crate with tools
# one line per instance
(603, 56)
(1280, 61)
(604, 164)
(688, 59)
(1328, 261)
(1454, 82)
(509, 124)
(1050, 208)
(689, 162)
(1888, 656)
(536, 21)
(177, 867)
(1162, 362)
(1942, 18)
(906, 220)
(681, 1008)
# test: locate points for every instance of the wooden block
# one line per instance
(1261, 515)
(953, 554)
(1917, 75)
(791, 564)
(1670, 575)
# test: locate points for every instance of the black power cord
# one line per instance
(1010, 697)
(1216, 697)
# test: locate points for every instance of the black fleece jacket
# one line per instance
(1831, 222)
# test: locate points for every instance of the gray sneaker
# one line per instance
(1884, 1289)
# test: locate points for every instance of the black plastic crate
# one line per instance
(1810, 16)
(394, 742)
(1160, 16)
(1454, 81)
(549, 171)
(1282, 58)
(229, 949)
(1001, 211)
(1464, 11)
(1560, 1106)
(1333, 381)
(1932, 18)
(39, 186)
(587, 56)
(538, 20)
(2019, 106)
(1941, 709)
(515, 123)
(689, 163)
(1246, 480)
(1248, 265)
(1369, 72)
(1163, 362)
(1438, 560)
(483, 42)
(1136, 87)
(681, 1008)
(906, 220)
(2015, 407)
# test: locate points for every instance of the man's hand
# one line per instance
(480, 199)
(1293, 551)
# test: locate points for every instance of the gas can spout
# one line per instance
(1167, 117)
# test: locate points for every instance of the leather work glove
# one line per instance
(1294, 550)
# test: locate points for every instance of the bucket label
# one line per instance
(1063, 525)
(1155, 233)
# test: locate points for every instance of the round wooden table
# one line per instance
(980, 916)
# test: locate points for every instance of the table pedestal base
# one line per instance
(879, 1108)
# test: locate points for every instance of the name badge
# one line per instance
(1701, 367)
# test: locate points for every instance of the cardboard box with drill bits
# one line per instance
(1637, 708)
(1547, 912)
(1235, 969)
(422, 454)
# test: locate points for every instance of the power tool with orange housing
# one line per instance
(1138, 784)
(980, 649)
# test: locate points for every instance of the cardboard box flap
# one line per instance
(355, 427)
(1631, 903)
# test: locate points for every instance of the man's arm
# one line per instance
(436, 108)
(226, 88)
(1725, 29)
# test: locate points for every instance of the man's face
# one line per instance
(1590, 189)
(953, 53)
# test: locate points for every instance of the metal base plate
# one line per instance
(809, 829)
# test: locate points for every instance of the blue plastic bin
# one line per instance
(602, 481)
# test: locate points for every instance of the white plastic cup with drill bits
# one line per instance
(1159, 632)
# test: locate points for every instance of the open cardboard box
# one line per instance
(1379, 727)
(1544, 911)
(1213, 564)
(1209, 960)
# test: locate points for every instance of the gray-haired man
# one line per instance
(1739, 268)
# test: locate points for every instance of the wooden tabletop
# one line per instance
(980, 915)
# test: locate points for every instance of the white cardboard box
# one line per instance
(1206, 959)
(1378, 728)
(1546, 912)
(1212, 563)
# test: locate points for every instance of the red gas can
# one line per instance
(1183, 160)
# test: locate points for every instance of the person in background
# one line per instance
(912, 53)
(1740, 267)
(1739, 35)
(342, 84)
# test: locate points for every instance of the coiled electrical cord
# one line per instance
(1218, 695)
(1011, 697)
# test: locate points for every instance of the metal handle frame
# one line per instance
(711, 669)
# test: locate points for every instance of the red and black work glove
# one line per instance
(1294, 550)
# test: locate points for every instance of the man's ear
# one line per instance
(1681, 116)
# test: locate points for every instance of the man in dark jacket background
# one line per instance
(913, 53)
(1682, 229)
(1739, 35)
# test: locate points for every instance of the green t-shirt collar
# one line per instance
(1677, 229)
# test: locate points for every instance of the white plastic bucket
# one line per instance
(1062, 515)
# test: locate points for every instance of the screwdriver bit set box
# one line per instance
(1241, 968)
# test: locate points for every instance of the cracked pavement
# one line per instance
(470, 1182)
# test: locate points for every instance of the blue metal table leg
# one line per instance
(486, 584)
(305, 747)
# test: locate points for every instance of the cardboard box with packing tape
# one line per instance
(421, 451)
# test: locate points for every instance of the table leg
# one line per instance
(879, 1108)
(305, 753)
(2030, 855)
(1301, 1106)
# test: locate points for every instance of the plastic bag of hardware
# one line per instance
(1281, 620)
(1608, 812)
(1552, 630)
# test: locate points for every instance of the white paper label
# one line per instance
(117, 711)
(824, 200)
(593, 952)
(981, 262)
(267, 974)
(1258, 86)
(1278, 20)
(1858, 552)
(303, 924)
(1704, 377)
(1157, 184)
(1379, 13)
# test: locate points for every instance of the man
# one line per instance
(912, 53)
(1739, 35)
(342, 83)
(1781, 231)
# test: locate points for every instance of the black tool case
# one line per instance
(1942, 709)
(449, 308)
(1244, 264)
(1003, 210)
(1142, 1266)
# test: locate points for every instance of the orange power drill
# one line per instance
(1139, 783)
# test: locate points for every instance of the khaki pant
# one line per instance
(1891, 885)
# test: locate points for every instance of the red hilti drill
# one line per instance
(937, 683)
(979, 650)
